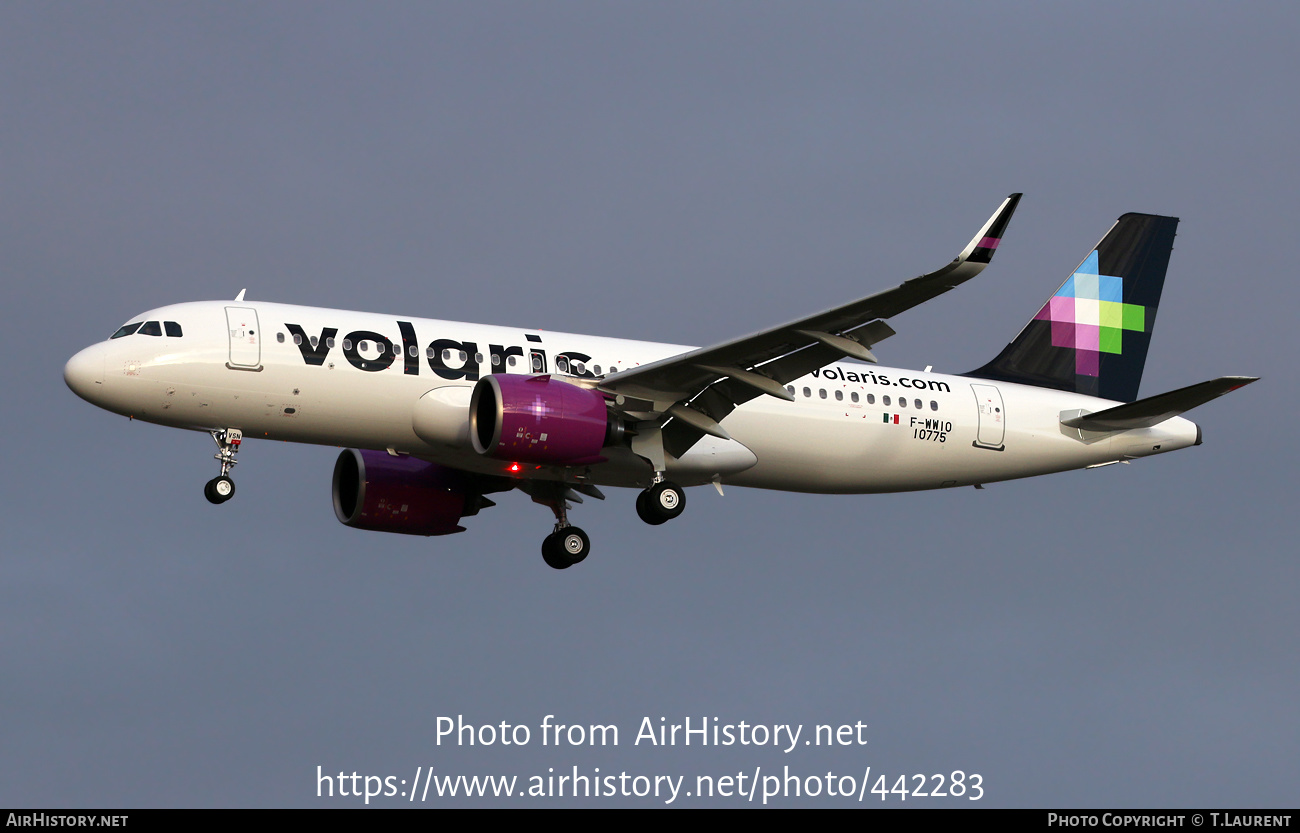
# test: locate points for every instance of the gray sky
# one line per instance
(672, 172)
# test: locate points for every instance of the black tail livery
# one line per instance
(1091, 337)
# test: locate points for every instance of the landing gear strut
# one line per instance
(221, 488)
(661, 503)
(566, 545)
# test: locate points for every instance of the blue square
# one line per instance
(1110, 288)
(1089, 265)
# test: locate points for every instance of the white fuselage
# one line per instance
(853, 427)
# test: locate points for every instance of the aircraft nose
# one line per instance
(84, 373)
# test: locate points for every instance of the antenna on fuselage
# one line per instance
(240, 296)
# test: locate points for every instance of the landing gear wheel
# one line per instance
(574, 544)
(645, 511)
(660, 503)
(551, 553)
(219, 489)
(565, 547)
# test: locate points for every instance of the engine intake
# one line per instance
(539, 419)
(374, 490)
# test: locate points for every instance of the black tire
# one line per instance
(661, 503)
(552, 555)
(646, 512)
(219, 490)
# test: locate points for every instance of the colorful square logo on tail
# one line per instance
(1088, 313)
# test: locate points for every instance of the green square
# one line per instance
(1112, 340)
(1135, 316)
(1111, 314)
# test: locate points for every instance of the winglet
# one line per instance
(982, 245)
(240, 296)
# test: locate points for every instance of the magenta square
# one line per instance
(1062, 309)
(1087, 337)
(1087, 362)
(1062, 334)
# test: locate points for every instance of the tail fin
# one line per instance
(1092, 335)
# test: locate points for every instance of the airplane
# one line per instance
(437, 415)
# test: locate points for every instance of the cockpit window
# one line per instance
(173, 329)
(126, 330)
(151, 328)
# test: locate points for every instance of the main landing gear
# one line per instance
(566, 545)
(221, 488)
(661, 502)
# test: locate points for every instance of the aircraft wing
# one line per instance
(701, 387)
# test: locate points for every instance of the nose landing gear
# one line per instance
(221, 488)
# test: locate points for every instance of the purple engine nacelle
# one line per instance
(538, 419)
(374, 490)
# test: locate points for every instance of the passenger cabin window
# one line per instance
(839, 396)
(151, 328)
(854, 396)
(279, 337)
(562, 364)
(174, 330)
(126, 330)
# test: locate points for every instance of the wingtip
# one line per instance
(985, 243)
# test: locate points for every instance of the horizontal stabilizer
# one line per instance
(1154, 410)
